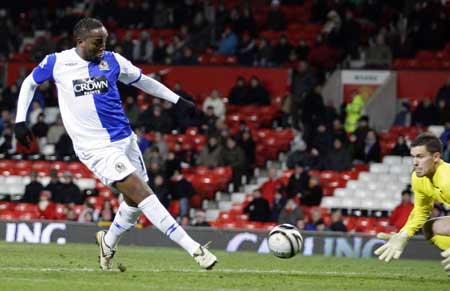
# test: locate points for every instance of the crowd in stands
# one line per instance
(181, 33)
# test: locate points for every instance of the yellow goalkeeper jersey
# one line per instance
(426, 191)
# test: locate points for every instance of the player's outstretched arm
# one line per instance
(394, 246)
(21, 130)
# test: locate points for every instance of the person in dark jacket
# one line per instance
(258, 209)
(32, 189)
(336, 222)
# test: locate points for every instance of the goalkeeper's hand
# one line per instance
(446, 261)
(394, 246)
(23, 134)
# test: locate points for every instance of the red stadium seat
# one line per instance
(8, 215)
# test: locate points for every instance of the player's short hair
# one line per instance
(430, 141)
(84, 26)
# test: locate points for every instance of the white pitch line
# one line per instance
(230, 271)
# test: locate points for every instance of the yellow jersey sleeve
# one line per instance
(423, 204)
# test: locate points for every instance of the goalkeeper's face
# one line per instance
(94, 44)
(425, 163)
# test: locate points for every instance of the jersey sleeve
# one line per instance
(423, 204)
(44, 71)
(129, 73)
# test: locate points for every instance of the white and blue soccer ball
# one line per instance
(285, 241)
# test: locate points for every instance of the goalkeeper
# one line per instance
(430, 182)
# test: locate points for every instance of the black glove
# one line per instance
(187, 113)
(23, 134)
(185, 107)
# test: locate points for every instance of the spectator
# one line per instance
(303, 80)
(246, 49)
(281, 51)
(263, 54)
(339, 159)
(107, 212)
(297, 155)
(128, 45)
(379, 56)
(233, 155)
(426, 113)
(245, 140)
(275, 18)
(200, 218)
(55, 131)
(317, 223)
(40, 128)
(161, 189)
(210, 154)
(444, 93)
(33, 189)
(278, 203)
(64, 147)
(46, 207)
(228, 42)
(131, 110)
(400, 148)
(298, 182)
(401, 213)
(6, 140)
(446, 153)
(336, 222)
(322, 139)
(55, 187)
(313, 107)
(238, 92)
(142, 141)
(160, 51)
(185, 220)
(312, 194)
(154, 119)
(257, 94)
(36, 109)
(182, 190)
(258, 209)
(291, 213)
(353, 111)
(217, 103)
(403, 116)
(88, 215)
(208, 124)
(371, 149)
(443, 111)
(269, 187)
(71, 192)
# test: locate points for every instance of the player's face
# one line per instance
(425, 163)
(93, 46)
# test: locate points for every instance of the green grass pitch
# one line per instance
(74, 267)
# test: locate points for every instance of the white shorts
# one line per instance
(116, 161)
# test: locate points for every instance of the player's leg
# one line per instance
(140, 193)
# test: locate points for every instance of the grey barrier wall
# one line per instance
(382, 105)
(324, 243)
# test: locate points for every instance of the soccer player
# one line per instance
(92, 113)
(430, 182)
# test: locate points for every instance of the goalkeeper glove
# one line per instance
(23, 134)
(394, 246)
(446, 261)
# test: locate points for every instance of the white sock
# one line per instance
(161, 218)
(126, 217)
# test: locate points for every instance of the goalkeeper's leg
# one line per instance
(437, 231)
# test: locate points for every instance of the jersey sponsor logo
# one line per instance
(70, 64)
(89, 86)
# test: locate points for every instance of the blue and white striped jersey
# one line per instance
(88, 97)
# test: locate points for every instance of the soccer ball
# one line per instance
(285, 241)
